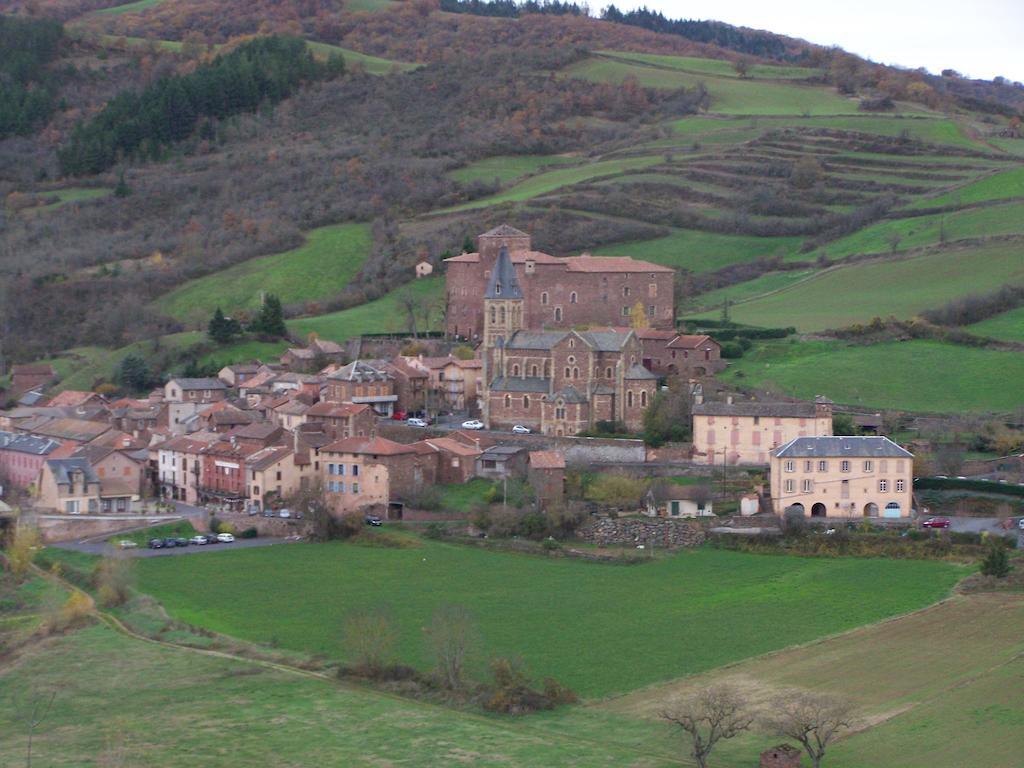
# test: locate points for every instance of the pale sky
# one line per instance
(979, 38)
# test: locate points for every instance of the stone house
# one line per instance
(363, 383)
(424, 268)
(557, 292)
(545, 471)
(668, 353)
(180, 467)
(455, 384)
(70, 486)
(499, 462)
(236, 375)
(318, 354)
(290, 412)
(223, 475)
(671, 500)
(74, 398)
(123, 478)
(843, 477)
(410, 384)
(28, 376)
(747, 433)
(341, 420)
(273, 474)
(374, 472)
(781, 756)
(456, 461)
(199, 391)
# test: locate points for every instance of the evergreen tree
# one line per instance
(133, 373)
(996, 562)
(217, 329)
(122, 189)
(270, 320)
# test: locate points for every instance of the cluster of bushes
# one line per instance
(371, 638)
(977, 307)
(143, 124)
(499, 522)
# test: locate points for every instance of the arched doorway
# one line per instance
(700, 371)
(818, 510)
(796, 508)
(892, 509)
(871, 509)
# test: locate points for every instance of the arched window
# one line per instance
(643, 398)
(508, 401)
(608, 372)
(515, 370)
(497, 288)
(572, 297)
(558, 314)
(544, 298)
(526, 401)
(494, 315)
(568, 372)
(575, 373)
(629, 399)
(533, 370)
(503, 314)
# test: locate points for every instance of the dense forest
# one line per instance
(511, 9)
(141, 125)
(27, 86)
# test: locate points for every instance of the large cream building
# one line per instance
(843, 477)
(747, 433)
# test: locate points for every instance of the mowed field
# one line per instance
(601, 629)
(318, 269)
(703, 251)
(901, 288)
(937, 689)
(915, 375)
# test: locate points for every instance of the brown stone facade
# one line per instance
(557, 292)
(665, 533)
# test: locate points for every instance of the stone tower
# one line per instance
(503, 316)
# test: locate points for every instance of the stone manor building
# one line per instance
(557, 292)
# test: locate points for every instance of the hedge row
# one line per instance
(951, 484)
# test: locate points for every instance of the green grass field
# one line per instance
(858, 292)
(1000, 185)
(383, 315)
(543, 183)
(69, 195)
(719, 67)
(729, 95)
(907, 681)
(918, 375)
(929, 230)
(506, 168)
(703, 251)
(178, 529)
(138, 5)
(373, 65)
(464, 496)
(759, 286)
(1008, 326)
(318, 269)
(581, 622)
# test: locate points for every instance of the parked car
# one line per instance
(473, 424)
(211, 538)
(284, 513)
(1020, 523)
(374, 520)
(416, 422)
(225, 538)
(181, 542)
(155, 544)
(519, 429)
(399, 415)
(199, 540)
(127, 544)
(936, 522)
(170, 542)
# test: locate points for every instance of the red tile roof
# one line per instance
(71, 398)
(376, 445)
(336, 410)
(587, 263)
(689, 342)
(453, 446)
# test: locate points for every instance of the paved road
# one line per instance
(99, 547)
(979, 525)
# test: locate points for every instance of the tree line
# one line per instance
(714, 32)
(27, 88)
(142, 125)
(512, 9)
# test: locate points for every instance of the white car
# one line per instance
(519, 429)
(225, 538)
(1020, 523)
(127, 544)
(472, 424)
(284, 513)
(199, 541)
(416, 422)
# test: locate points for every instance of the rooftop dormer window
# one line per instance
(497, 288)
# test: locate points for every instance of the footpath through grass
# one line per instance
(318, 269)
(599, 628)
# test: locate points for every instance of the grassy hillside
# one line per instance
(729, 95)
(318, 269)
(1000, 185)
(739, 608)
(374, 65)
(858, 292)
(703, 251)
(1008, 326)
(506, 168)
(912, 375)
(717, 67)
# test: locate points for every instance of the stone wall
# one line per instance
(265, 526)
(650, 531)
(54, 528)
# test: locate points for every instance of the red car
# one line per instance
(398, 415)
(935, 522)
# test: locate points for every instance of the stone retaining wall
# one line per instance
(655, 532)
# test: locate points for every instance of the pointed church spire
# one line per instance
(503, 283)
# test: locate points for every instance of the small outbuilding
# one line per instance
(781, 756)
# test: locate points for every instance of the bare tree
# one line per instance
(32, 710)
(948, 458)
(453, 636)
(370, 638)
(813, 719)
(411, 303)
(709, 716)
